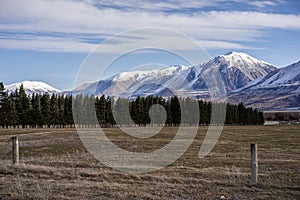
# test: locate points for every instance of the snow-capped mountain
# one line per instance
(278, 90)
(162, 82)
(236, 70)
(31, 87)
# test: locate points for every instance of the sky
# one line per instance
(49, 41)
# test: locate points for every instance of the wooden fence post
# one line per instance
(254, 163)
(15, 146)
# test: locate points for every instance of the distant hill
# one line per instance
(31, 87)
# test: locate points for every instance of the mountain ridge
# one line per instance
(237, 70)
(278, 90)
(246, 79)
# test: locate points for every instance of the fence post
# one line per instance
(15, 146)
(254, 163)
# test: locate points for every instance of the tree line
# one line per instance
(17, 109)
(282, 116)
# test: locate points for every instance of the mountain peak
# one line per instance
(238, 57)
(237, 69)
(31, 87)
(234, 53)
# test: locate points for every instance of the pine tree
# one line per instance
(162, 113)
(99, 110)
(121, 112)
(169, 113)
(89, 110)
(134, 111)
(3, 105)
(78, 110)
(23, 106)
(37, 110)
(148, 102)
(60, 104)
(2, 94)
(68, 112)
(53, 110)
(109, 112)
(13, 114)
(45, 109)
(139, 111)
(241, 114)
(175, 111)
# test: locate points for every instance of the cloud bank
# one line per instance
(77, 26)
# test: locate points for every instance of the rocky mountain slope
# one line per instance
(279, 90)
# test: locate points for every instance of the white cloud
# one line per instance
(262, 4)
(51, 45)
(120, 43)
(167, 5)
(72, 19)
(151, 5)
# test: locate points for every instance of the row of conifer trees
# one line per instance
(17, 109)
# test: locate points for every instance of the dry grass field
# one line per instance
(55, 165)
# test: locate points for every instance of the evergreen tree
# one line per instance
(241, 114)
(134, 111)
(109, 112)
(89, 110)
(139, 111)
(13, 119)
(23, 106)
(169, 113)
(45, 109)
(78, 108)
(3, 105)
(175, 111)
(37, 109)
(61, 104)
(2, 94)
(100, 105)
(121, 112)
(54, 110)
(68, 112)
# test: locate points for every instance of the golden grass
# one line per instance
(55, 165)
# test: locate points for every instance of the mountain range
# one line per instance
(236, 70)
(246, 79)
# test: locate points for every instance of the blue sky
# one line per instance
(49, 40)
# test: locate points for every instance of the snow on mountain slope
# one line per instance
(278, 90)
(237, 69)
(31, 87)
(142, 83)
(287, 76)
(244, 61)
(140, 75)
